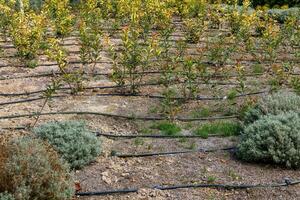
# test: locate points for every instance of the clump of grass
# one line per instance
(167, 128)
(211, 179)
(138, 142)
(218, 128)
(146, 131)
(257, 69)
(203, 112)
(232, 94)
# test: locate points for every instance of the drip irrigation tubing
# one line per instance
(117, 116)
(265, 61)
(138, 155)
(28, 100)
(285, 183)
(48, 64)
(198, 98)
(107, 192)
(108, 135)
(138, 73)
(111, 87)
(190, 46)
(15, 128)
(68, 88)
(129, 95)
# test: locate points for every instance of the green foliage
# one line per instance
(275, 2)
(273, 104)
(257, 69)
(167, 128)
(232, 94)
(202, 112)
(295, 83)
(138, 142)
(273, 138)
(211, 179)
(31, 170)
(27, 33)
(90, 33)
(72, 140)
(194, 30)
(169, 105)
(36, 4)
(281, 15)
(60, 14)
(218, 128)
(6, 196)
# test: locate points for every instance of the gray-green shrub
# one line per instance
(273, 138)
(31, 170)
(281, 15)
(6, 196)
(72, 141)
(272, 105)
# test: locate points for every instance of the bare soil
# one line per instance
(109, 172)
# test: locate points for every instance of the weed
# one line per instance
(202, 112)
(218, 128)
(183, 140)
(257, 69)
(211, 179)
(192, 146)
(146, 131)
(233, 175)
(138, 141)
(232, 94)
(167, 128)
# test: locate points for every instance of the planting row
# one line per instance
(41, 164)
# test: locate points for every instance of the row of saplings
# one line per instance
(39, 167)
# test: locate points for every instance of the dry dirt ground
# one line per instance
(109, 172)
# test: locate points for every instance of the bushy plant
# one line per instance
(273, 138)
(72, 140)
(59, 12)
(27, 33)
(281, 15)
(90, 33)
(31, 170)
(275, 2)
(273, 104)
(6, 196)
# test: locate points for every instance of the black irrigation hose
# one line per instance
(190, 46)
(138, 155)
(127, 95)
(265, 61)
(46, 64)
(107, 192)
(107, 87)
(26, 100)
(118, 116)
(98, 134)
(286, 183)
(15, 128)
(198, 98)
(145, 73)
(68, 88)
